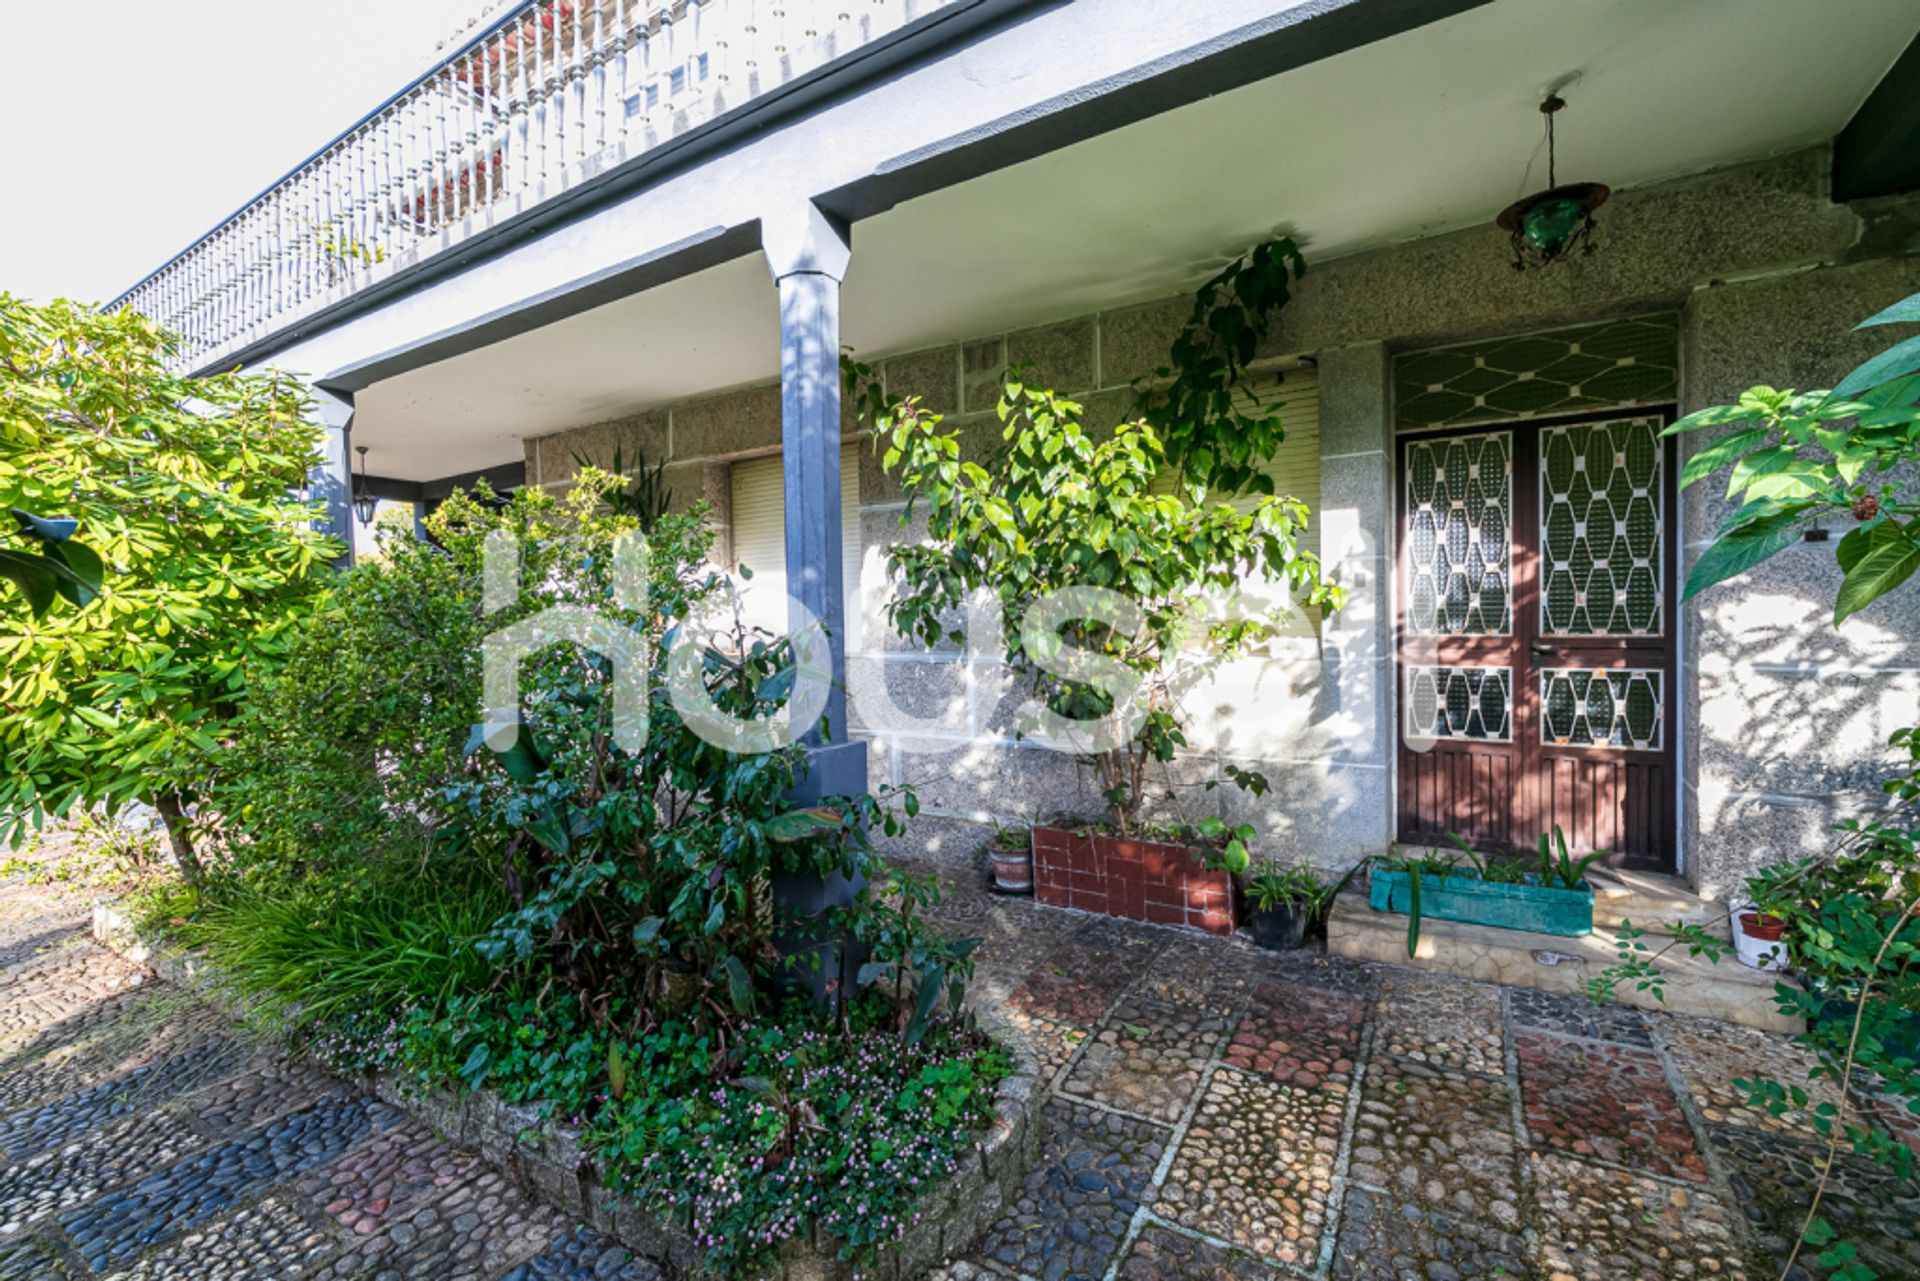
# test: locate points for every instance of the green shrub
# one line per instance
(343, 757)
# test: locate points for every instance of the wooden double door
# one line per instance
(1535, 636)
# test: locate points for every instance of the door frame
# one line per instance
(1524, 598)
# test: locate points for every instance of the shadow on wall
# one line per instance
(1790, 725)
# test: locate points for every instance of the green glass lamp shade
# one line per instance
(1548, 224)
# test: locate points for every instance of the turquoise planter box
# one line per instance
(1465, 897)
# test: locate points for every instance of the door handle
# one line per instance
(1543, 649)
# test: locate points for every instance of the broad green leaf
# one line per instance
(1901, 358)
(1760, 463)
(1889, 562)
(1711, 417)
(739, 982)
(1906, 311)
(35, 577)
(801, 824)
(1711, 458)
(1740, 550)
(1855, 543)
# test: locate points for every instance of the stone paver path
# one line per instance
(142, 1138)
(1226, 1114)
(1216, 1112)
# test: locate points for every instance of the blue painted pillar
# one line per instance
(808, 251)
(332, 480)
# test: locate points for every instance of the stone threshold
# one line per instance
(1555, 963)
(548, 1161)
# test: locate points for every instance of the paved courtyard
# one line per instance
(1217, 1113)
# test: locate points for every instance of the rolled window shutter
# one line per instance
(760, 541)
(1295, 471)
(760, 538)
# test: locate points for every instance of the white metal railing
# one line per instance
(509, 120)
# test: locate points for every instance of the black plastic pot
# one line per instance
(1279, 929)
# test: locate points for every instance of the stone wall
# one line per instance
(1783, 718)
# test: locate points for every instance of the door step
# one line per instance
(1653, 902)
(1553, 963)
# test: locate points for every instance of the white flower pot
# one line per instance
(1755, 952)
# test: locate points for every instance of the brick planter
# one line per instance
(1140, 880)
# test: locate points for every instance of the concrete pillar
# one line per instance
(332, 480)
(1356, 539)
(808, 252)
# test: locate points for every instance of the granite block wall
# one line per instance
(1783, 718)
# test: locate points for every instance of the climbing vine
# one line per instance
(1212, 424)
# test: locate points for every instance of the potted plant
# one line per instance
(1758, 938)
(1010, 856)
(1550, 897)
(1281, 902)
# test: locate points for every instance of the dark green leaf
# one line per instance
(1740, 550)
(1889, 562)
(1704, 461)
(48, 529)
(1901, 358)
(1906, 311)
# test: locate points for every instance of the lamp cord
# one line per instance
(1549, 108)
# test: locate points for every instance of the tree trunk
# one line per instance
(179, 835)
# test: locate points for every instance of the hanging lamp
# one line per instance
(1550, 225)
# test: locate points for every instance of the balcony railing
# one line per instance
(552, 92)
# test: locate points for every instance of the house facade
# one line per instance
(622, 225)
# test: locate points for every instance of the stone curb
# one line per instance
(546, 1159)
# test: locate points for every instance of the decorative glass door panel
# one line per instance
(1535, 638)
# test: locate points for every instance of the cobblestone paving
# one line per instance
(1216, 1114)
(1148, 1058)
(1374, 1123)
(1080, 1196)
(1300, 1035)
(144, 1139)
(1612, 1102)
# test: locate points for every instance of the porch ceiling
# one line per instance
(1418, 134)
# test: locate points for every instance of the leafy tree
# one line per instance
(1053, 510)
(1800, 457)
(1142, 514)
(185, 489)
(1214, 428)
(340, 759)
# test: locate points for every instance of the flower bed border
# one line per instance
(547, 1160)
(1151, 881)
